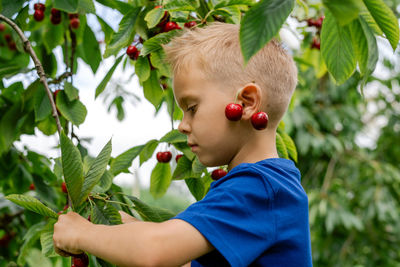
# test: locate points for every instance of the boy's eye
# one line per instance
(192, 108)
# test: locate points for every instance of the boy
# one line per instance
(255, 215)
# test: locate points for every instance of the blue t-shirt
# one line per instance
(256, 215)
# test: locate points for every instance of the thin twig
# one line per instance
(39, 67)
(61, 78)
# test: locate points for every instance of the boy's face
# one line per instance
(212, 137)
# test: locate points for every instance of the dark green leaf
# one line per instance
(152, 90)
(157, 60)
(149, 213)
(72, 168)
(96, 171)
(100, 88)
(153, 17)
(281, 147)
(196, 187)
(108, 31)
(122, 7)
(74, 111)
(42, 104)
(344, 11)
(32, 204)
(183, 169)
(105, 213)
(90, 49)
(261, 23)
(181, 5)
(155, 42)
(174, 136)
(69, 6)
(71, 92)
(142, 68)
(160, 179)
(124, 160)
(386, 20)
(125, 33)
(148, 150)
(337, 49)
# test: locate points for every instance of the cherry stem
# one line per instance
(39, 67)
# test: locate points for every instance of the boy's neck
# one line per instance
(261, 146)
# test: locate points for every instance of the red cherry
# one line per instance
(89, 219)
(74, 23)
(55, 20)
(55, 93)
(31, 186)
(64, 209)
(167, 156)
(81, 260)
(259, 120)
(190, 24)
(164, 86)
(132, 52)
(39, 6)
(12, 46)
(233, 112)
(159, 156)
(311, 22)
(2, 27)
(169, 26)
(178, 157)
(38, 15)
(316, 44)
(64, 187)
(7, 37)
(73, 16)
(55, 12)
(218, 174)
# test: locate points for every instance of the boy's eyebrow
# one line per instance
(186, 98)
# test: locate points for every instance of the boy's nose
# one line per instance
(184, 127)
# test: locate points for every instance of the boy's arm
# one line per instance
(171, 243)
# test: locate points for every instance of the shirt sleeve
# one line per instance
(236, 217)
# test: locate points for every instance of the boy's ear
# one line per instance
(250, 99)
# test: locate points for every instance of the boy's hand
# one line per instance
(67, 231)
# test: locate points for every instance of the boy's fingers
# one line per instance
(62, 252)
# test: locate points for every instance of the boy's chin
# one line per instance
(211, 162)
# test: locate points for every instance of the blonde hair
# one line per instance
(216, 50)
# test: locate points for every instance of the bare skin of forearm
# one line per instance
(144, 243)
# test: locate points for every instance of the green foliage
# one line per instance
(353, 191)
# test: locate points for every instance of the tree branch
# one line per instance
(39, 67)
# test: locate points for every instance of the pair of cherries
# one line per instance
(259, 120)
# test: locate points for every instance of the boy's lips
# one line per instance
(192, 146)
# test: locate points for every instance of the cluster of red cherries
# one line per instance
(55, 16)
(9, 40)
(317, 23)
(259, 120)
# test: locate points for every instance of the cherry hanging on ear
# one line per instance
(259, 120)
(233, 112)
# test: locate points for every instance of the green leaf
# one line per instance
(32, 204)
(47, 126)
(53, 36)
(87, 6)
(150, 213)
(71, 92)
(261, 23)
(187, 151)
(125, 33)
(337, 49)
(30, 238)
(157, 59)
(153, 17)
(124, 160)
(371, 22)
(122, 7)
(174, 136)
(72, 168)
(96, 171)
(344, 11)
(386, 20)
(196, 187)
(100, 88)
(74, 111)
(152, 90)
(197, 166)
(365, 46)
(148, 150)
(42, 106)
(281, 147)
(106, 180)
(155, 42)
(160, 179)
(107, 30)
(46, 241)
(90, 51)
(233, 12)
(183, 169)
(233, 3)
(181, 5)
(105, 213)
(11, 7)
(69, 6)
(290, 146)
(142, 68)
